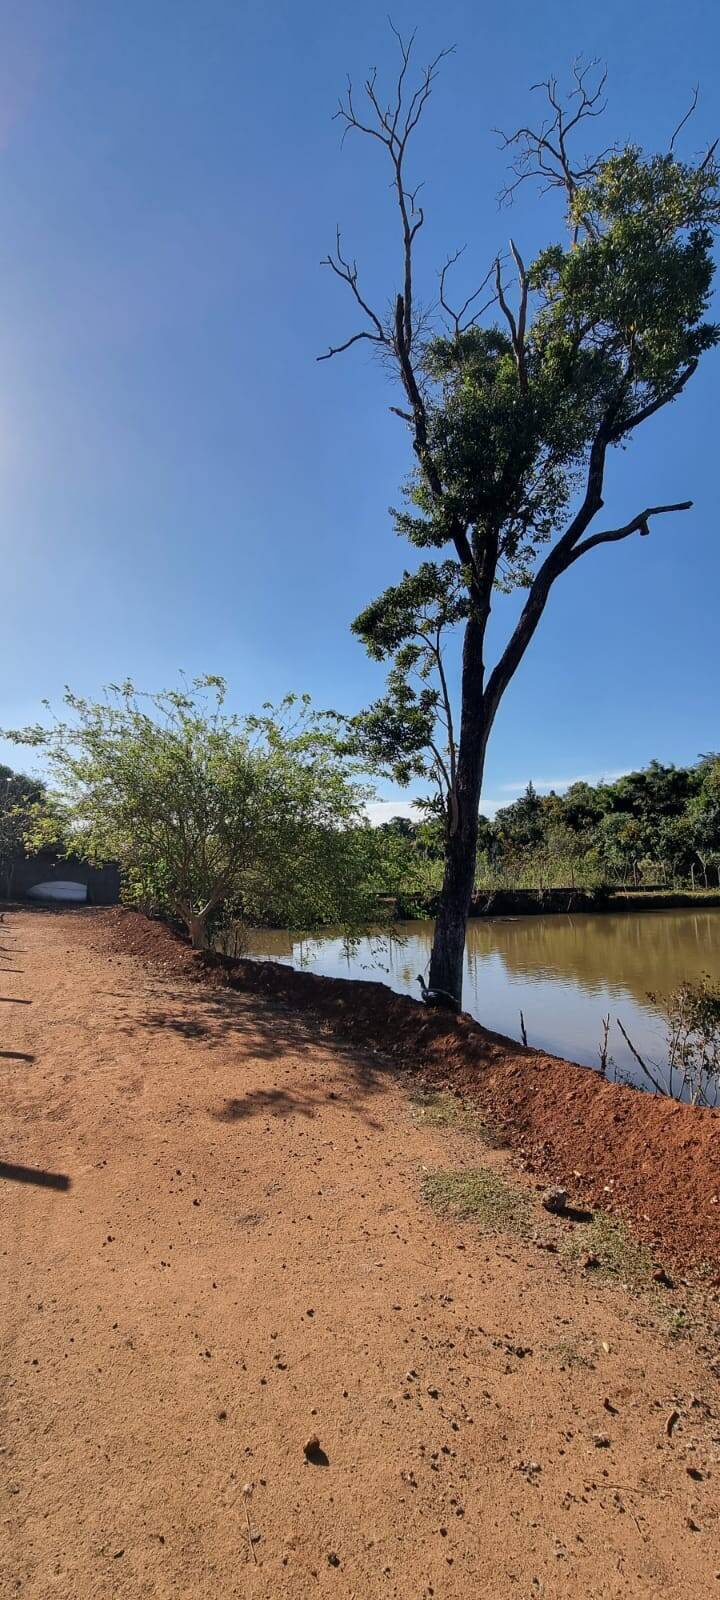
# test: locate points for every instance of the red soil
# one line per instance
(215, 1244)
(648, 1159)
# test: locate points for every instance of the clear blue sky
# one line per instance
(181, 485)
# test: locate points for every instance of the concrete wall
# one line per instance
(103, 883)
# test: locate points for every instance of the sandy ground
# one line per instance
(241, 1259)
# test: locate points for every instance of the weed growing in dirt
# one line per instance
(570, 1353)
(441, 1109)
(480, 1195)
(618, 1256)
(678, 1323)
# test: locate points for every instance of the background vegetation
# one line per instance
(656, 827)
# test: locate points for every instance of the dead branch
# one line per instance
(456, 317)
(642, 1064)
(392, 126)
(638, 524)
(348, 272)
(604, 1046)
(686, 118)
(517, 327)
(543, 153)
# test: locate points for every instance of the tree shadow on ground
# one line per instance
(218, 1018)
(263, 1029)
(293, 1101)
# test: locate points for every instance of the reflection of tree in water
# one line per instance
(649, 951)
(569, 970)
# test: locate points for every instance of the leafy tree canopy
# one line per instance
(514, 401)
(208, 813)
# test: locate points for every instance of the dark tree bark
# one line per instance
(446, 962)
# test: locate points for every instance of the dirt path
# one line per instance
(242, 1259)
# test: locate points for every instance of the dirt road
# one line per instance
(214, 1245)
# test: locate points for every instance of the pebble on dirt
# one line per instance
(555, 1199)
(311, 1445)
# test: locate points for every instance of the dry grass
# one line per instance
(439, 1108)
(618, 1255)
(478, 1195)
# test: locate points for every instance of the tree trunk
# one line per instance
(446, 961)
(197, 930)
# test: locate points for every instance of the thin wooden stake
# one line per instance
(247, 1491)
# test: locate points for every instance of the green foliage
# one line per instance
(481, 1195)
(211, 815)
(411, 854)
(398, 734)
(692, 1012)
(616, 316)
(660, 825)
(21, 802)
(512, 414)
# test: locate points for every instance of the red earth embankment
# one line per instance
(648, 1159)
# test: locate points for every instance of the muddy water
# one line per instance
(565, 973)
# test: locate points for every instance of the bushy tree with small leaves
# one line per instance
(210, 814)
(514, 402)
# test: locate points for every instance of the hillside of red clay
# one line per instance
(650, 1160)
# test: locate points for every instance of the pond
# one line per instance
(565, 973)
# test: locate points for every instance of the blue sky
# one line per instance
(181, 484)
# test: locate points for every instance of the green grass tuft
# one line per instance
(678, 1323)
(619, 1256)
(480, 1195)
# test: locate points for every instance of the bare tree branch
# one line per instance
(621, 427)
(686, 118)
(563, 553)
(393, 127)
(522, 316)
(456, 317)
(638, 524)
(543, 153)
(517, 327)
(348, 272)
(504, 307)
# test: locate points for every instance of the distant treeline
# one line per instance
(659, 826)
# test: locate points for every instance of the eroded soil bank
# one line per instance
(216, 1242)
(648, 1159)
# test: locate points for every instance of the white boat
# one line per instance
(59, 889)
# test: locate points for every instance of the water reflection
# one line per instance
(564, 972)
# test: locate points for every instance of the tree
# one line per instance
(206, 811)
(513, 401)
(20, 798)
(521, 824)
(703, 814)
